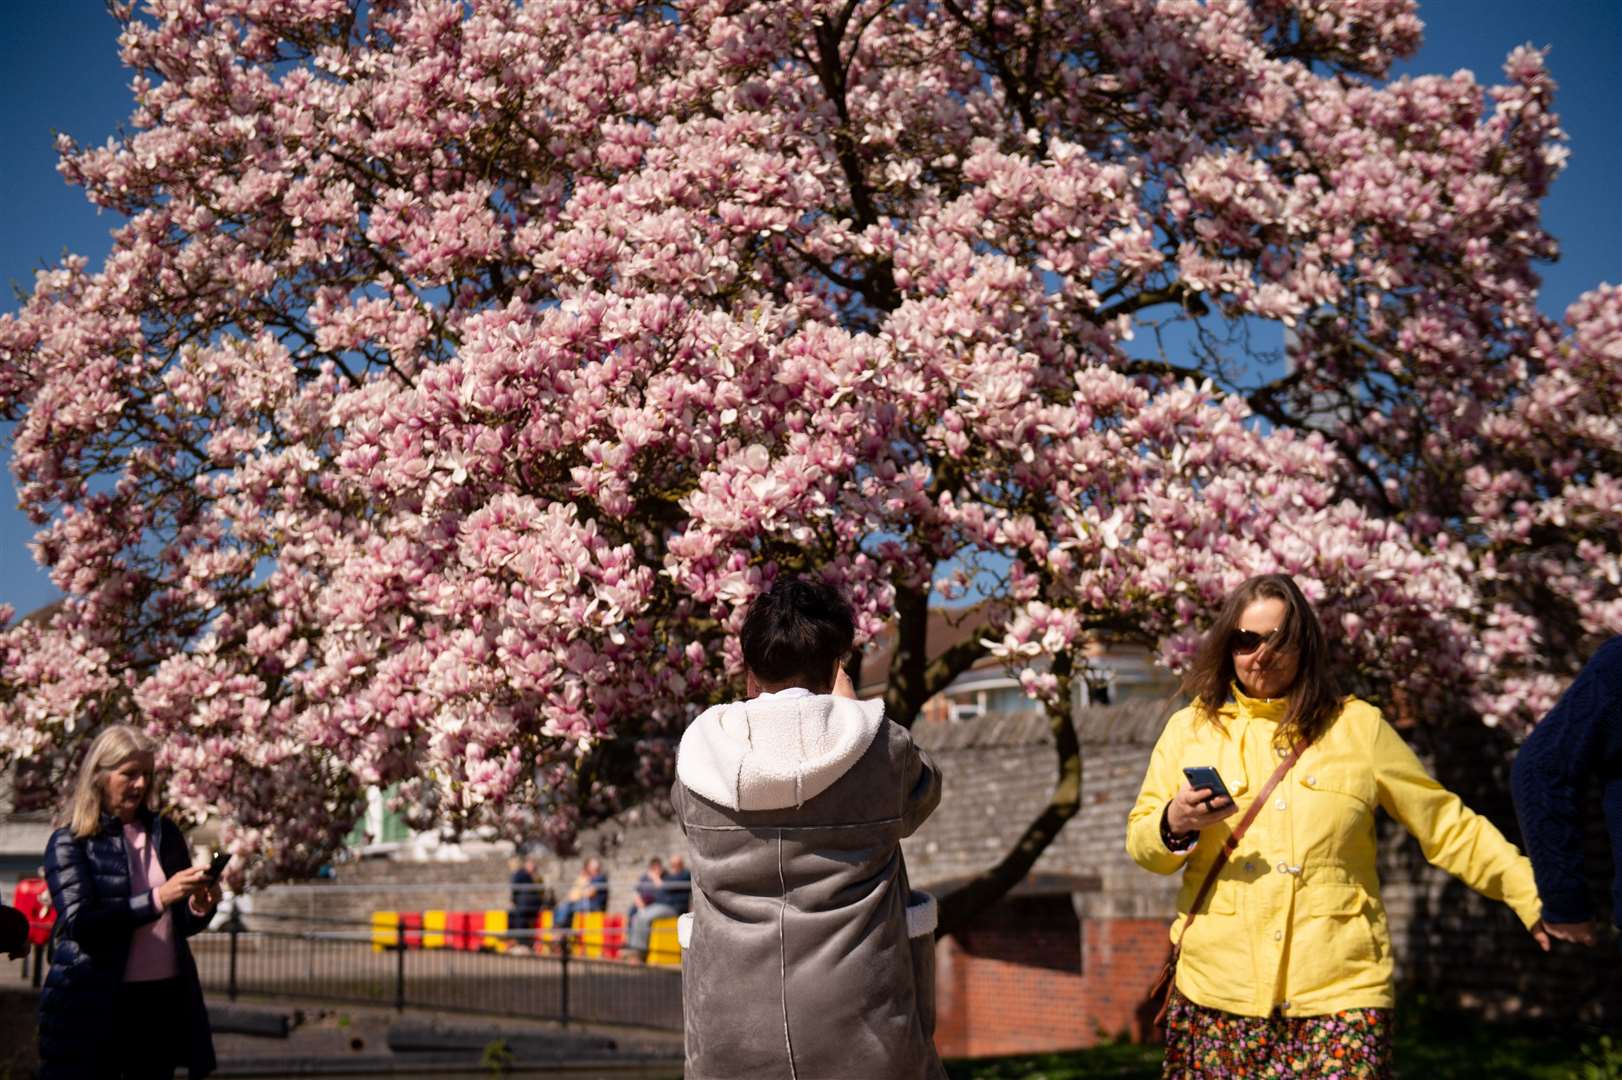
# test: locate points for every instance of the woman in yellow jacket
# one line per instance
(1287, 969)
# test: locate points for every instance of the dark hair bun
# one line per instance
(797, 632)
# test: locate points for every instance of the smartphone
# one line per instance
(1204, 776)
(216, 865)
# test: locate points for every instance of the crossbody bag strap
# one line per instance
(1232, 843)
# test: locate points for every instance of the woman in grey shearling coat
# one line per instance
(804, 958)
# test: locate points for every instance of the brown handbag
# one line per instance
(1161, 991)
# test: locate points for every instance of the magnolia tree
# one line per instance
(460, 371)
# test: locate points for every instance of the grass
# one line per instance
(1432, 1044)
(1122, 1060)
(1436, 1044)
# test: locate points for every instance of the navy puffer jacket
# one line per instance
(89, 881)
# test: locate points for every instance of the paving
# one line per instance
(328, 1040)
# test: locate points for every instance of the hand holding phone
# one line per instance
(1204, 801)
(217, 865)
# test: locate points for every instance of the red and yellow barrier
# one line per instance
(596, 935)
(385, 930)
(434, 925)
(664, 948)
(495, 930)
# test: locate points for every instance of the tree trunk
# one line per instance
(960, 907)
(913, 679)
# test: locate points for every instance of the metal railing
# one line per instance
(320, 959)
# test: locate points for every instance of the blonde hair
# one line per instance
(111, 749)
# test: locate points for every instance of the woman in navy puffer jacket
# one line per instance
(122, 1000)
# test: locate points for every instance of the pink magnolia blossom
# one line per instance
(460, 372)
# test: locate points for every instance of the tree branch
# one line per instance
(879, 287)
(1176, 292)
(1018, 92)
(951, 663)
(1264, 402)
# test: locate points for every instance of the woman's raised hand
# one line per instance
(185, 883)
(1192, 809)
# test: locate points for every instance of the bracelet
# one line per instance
(1175, 842)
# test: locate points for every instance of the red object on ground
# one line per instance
(33, 899)
(411, 925)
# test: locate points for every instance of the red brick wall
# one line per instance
(988, 1006)
(1032, 931)
(1056, 984)
(1121, 959)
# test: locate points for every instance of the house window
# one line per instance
(1010, 699)
(967, 706)
(379, 824)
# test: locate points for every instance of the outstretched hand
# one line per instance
(1540, 934)
(1578, 933)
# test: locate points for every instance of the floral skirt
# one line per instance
(1203, 1042)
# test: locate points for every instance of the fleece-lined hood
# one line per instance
(775, 752)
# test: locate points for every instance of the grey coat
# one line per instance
(808, 958)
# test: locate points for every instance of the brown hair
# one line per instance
(111, 749)
(1315, 696)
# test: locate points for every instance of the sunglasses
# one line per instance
(1245, 642)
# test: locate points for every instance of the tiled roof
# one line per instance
(1136, 722)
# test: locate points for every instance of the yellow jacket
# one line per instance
(1295, 920)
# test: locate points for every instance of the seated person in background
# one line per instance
(647, 886)
(588, 893)
(648, 906)
(676, 892)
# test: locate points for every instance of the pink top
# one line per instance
(152, 949)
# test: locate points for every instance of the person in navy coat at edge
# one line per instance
(122, 1000)
(1580, 738)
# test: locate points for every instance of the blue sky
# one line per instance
(59, 71)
